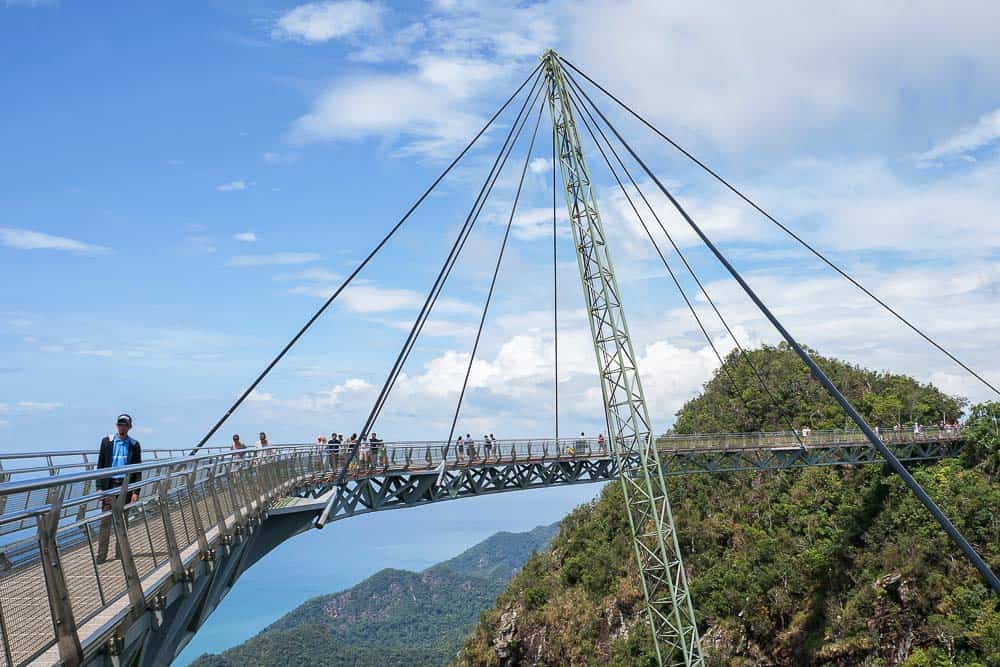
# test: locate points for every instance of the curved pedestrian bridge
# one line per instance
(87, 578)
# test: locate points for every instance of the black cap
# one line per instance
(124, 419)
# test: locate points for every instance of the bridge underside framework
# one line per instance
(202, 521)
(405, 488)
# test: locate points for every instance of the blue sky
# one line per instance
(181, 185)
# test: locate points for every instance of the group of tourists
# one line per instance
(465, 448)
(370, 449)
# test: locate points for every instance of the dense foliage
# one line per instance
(733, 400)
(394, 617)
(824, 566)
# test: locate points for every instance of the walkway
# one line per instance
(201, 521)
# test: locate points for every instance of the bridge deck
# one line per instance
(193, 509)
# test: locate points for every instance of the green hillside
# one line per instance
(825, 566)
(395, 617)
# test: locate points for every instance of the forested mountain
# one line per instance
(824, 566)
(395, 617)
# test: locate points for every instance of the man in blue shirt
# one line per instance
(116, 451)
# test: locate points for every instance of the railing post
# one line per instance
(231, 480)
(173, 551)
(199, 525)
(88, 485)
(223, 533)
(4, 477)
(133, 584)
(64, 625)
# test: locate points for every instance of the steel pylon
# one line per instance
(657, 552)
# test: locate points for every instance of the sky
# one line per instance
(183, 184)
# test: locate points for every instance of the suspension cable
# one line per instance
(452, 258)
(465, 231)
(471, 220)
(496, 272)
(826, 260)
(704, 291)
(897, 466)
(364, 262)
(666, 264)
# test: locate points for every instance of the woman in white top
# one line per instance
(364, 451)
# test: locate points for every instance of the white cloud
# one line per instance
(817, 65)
(540, 165)
(232, 186)
(984, 132)
(317, 22)
(26, 239)
(246, 237)
(352, 392)
(865, 204)
(273, 259)
(432, 106)
(531, 224)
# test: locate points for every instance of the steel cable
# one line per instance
(785, 229)
(496, 272)
(942, 520)
(364, 262)
(477, 207)
(690, 269)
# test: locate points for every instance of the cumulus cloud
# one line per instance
(318, 22)
(26, 239)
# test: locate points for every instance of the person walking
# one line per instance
(333, 449)
(365, 452)
(117, 451)
(377, 449)
(470, 447)
(459, 449)
(239, 446)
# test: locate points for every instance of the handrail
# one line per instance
(196, 503)
(758, 440)
(34, 484)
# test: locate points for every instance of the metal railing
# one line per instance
(70, 551)
(74, 550)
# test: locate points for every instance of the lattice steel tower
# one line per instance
(664, 583)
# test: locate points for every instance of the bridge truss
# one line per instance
(654, 535)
